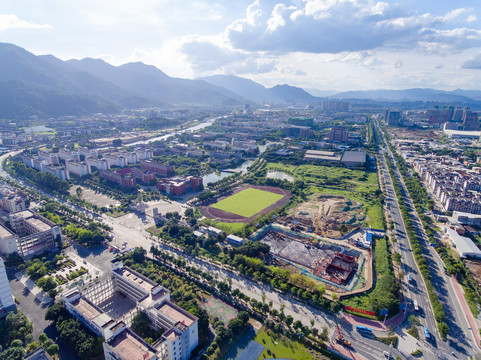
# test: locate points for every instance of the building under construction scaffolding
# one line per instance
(325, 261)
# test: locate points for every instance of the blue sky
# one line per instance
(323, 44)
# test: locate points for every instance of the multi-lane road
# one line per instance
(460, 341)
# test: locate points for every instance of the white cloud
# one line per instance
(336, 26)
(473, 63)
(207, 54)
(12, 22)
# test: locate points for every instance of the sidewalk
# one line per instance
(393, 322)
(467, 312)
(40, 295)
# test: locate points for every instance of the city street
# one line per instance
(460, 339)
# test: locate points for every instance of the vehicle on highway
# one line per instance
(415, 304)
(363, 329)
(410, 279)
(343, 341)
(444, 268)
(427, 335)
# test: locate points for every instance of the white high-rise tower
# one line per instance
(6, 299)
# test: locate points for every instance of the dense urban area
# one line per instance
(337, 231)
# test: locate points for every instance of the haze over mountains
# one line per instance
(47, 86)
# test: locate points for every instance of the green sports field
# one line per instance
(247, 202)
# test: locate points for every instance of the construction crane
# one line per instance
(340, 339)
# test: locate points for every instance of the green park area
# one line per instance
(282, 347)
(247, 202)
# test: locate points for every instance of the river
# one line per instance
(163, 137)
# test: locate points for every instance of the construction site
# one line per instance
(326, 215)
(339, 267)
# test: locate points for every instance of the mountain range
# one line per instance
(47, 86)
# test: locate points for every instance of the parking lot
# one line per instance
(94, 198)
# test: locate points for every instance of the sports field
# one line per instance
(248, 202)
(217, 308)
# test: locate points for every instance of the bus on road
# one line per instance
(364, 329)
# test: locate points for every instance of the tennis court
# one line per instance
(218, 308)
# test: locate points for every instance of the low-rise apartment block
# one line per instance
(124, 180)
(158, 169)
(77, 168)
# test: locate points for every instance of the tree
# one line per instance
(42, 338)
(413, 320)
(52, 350)
(79, 192)
(16, 343)
(289, 320)
(56, 313)
(141, 324)
(138, 255)
(235, 325)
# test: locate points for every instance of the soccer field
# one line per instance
(248, 202)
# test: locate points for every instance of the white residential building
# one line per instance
(6, 299)
(100, 164)
(77, 168)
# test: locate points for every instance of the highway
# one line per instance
(460, 340)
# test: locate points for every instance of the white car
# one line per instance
(415, 304)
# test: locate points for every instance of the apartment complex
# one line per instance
(180, 336)
(453, 184)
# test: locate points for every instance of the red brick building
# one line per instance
(158, 169)
(122, 178)
(179, 185)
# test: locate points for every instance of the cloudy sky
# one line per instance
(322, 44)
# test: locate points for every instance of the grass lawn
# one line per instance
(248, 202)
(281, 167)
(231, 228)
(154, 230)
(284, 349)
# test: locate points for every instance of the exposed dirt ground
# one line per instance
(333, 210)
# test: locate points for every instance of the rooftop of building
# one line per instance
(153, 290)
(176, 313)
(354, 156)
(86, 308)
(171, 335)
(464, 245)
(133, 276)
(38, 223)
(37, 354)
(128, 345)
(4, 232)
